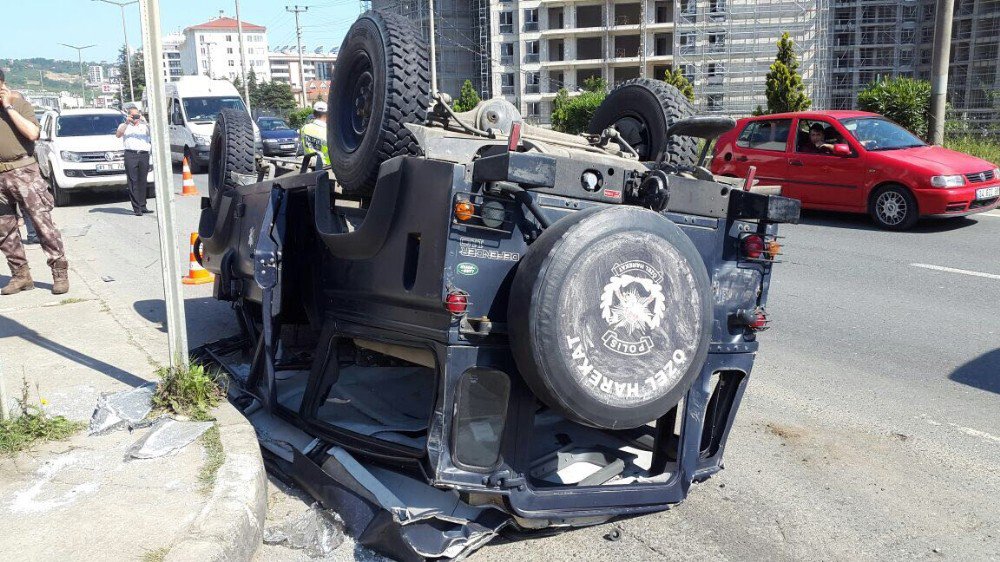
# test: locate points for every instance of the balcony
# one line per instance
(531, 58)
(531, 26)
(507, 90)
(506, 59)
(532, 88)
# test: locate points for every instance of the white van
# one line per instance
(193, 102)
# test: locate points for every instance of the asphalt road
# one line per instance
(870, 428)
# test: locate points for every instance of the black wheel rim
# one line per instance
(356, 107)
(635, 132)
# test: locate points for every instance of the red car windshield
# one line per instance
(875, 133)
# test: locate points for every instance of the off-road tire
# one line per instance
(386, 51)
(610, 316)
(232, 151)
(900, 196)
(654, 105)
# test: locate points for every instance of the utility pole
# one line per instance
(128, 51)
(149, 13)
(243, 57)
(83, 79)
(298, 38)
(939, 69)
(434, 82)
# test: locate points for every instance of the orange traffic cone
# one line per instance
(197, 274)
(187, 187)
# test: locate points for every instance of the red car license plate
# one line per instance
(988, 192)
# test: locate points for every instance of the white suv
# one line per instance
(78, 150)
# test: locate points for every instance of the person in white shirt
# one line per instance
(135, 133)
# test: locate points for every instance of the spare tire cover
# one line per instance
(610, 316)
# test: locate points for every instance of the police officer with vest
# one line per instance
(314, 133)
(22, 185)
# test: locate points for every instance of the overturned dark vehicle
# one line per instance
(472, 324)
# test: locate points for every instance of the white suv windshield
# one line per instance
(87, 125)
(205, 109)
(878, 134)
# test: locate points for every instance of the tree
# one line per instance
(252, 88)
(785, 91)
(903, 100)
(138, 76)
(675, 78)
(299, 117)
(467, 98)
(274, 96)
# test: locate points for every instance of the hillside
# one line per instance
(43, 74)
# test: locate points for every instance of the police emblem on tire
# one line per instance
(632, 303)
(610, 316)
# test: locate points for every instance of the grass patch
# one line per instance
(158, 555)
(214, 457)
(30, 424)
(980, 147)
(190, 391)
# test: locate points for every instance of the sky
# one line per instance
(86, 22)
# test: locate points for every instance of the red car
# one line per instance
(858, 162)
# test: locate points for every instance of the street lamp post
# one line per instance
(128, 52)
(83, 79)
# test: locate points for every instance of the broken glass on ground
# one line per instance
(166, 437)
(125, 409)
(317, 531)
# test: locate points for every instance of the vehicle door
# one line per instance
(763, 144)
(830, 175)
(178, 131)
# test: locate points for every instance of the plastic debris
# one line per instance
(125, 409)
(107, 278)
(166, 437)
(317, 531)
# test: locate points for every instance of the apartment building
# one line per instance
(171, 63)
(213, 49)
(541, 46)
(317, 66)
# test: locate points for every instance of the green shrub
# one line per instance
(903, 100)
(30, 424)
(573, 115)
(595, 84)
(190, 391)
(978, 146)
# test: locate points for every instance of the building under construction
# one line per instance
(528, 50)
(460, 47)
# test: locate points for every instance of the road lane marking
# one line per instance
(953, 270)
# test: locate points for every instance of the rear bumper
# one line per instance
(954, 202)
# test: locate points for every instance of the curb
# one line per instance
(230, 527)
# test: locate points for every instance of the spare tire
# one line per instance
(642, 109)
(381, 82)
(610, 316)
(232, 151)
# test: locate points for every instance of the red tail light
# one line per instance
(755, 319)
(753, 246)
(758, 321)
(457, 302)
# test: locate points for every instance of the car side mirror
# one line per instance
(842, 150)
(176, 120)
